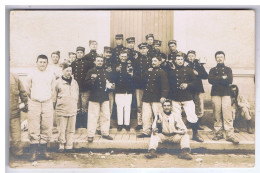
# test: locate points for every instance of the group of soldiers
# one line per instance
(82, 91)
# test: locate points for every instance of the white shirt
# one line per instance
(55, 69)
(40, 85)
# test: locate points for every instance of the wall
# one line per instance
(42, 32)
(230, 31)
(139, 23)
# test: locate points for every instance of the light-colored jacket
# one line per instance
(170, 123)
(66, 97)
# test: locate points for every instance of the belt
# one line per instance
(40, 101)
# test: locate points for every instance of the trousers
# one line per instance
(40, 121)
(222, 115)
(97, 110)
(123, 102)
(183, 140)
(66, 127)
(189, 108)
(139, 96)
(149, 110)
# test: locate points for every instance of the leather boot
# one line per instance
(185, 154)
(33, 148)
(249, 125)
(44, 153)
(151, 154)
(199, 124)
(196, 136)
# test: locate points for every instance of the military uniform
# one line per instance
(142, 64)
(151, 49)
(98, 108)
(124, 87)
(157, 87)
(220, 95)
(132, 54)
(198, 90)
(116, 51)
(183, 97)
(80, 68)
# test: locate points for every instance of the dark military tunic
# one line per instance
(220, 86)
(90, 58)
(116, 52)
(132, 54)
(178, 76)
(79, 70)
(202, 74)
(98, 85)
(157, 85)
(124, 81)
(151, 50)
(142, 64)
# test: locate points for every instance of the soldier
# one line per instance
(181, 80)
(157, 45)
(172, 129)
(172, 56)
(142, 64)
(40, 87)
(198, 90)
(156, 91)
(72, 57)
(149, 40)
(97, 79)
(119, 47)
(124, 90)
(55, 66)
(133, 54)
(66, 96)
(220, 77)
(17, 92)
(91, 56)
(79, 71)
(110, 68)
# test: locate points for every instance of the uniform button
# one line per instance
(177, 83)
(177, 79)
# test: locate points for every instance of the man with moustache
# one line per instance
(155, 93)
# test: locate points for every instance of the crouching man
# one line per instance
(172, 129)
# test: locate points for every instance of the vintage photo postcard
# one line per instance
(132, 89)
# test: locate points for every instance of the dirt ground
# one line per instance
(136, 160)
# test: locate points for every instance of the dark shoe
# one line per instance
(99, 132)
(197, 137)
(34, 148)
(217, 137)
(127, 128)
(151, 154)
(249, 126)
(43, 152)
(233, 140)
(236, 130)
(185, 154)
(90, 139)
(107, 137)
(139, 127)
(143, 136)
(61, 148)
(199, 125)
(119, 128)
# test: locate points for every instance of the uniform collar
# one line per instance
(221, 65)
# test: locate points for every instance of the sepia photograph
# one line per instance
(131, 88)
